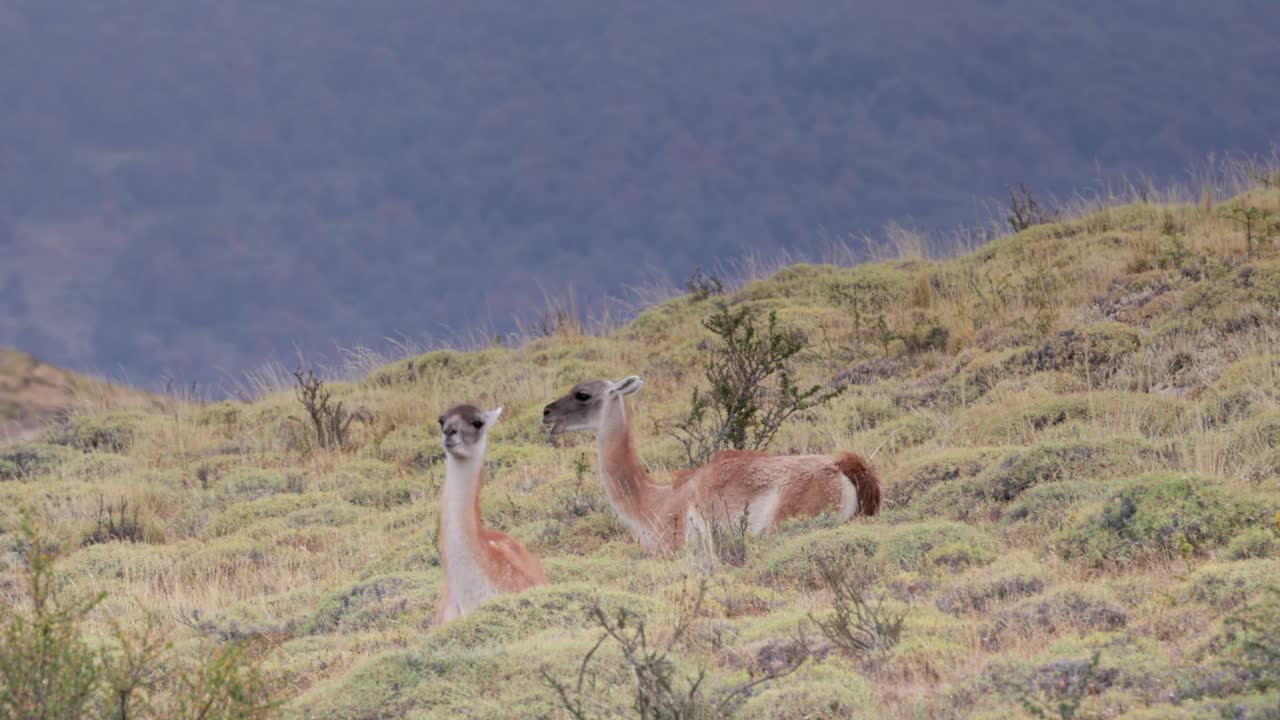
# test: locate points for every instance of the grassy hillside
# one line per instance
(33, 393)
(187, 192)
(1078, 427)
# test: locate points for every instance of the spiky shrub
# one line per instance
(330, 421)
(732, 538)
(1256, 644)
(702, 285)
(856, 624)
(1073, 693)
(1253, 222)
(660, 692)
(47, 670)
(1025, 211)
(50, 671)
(752, 390)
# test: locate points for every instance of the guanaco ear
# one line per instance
(626, 385)
(492, 416)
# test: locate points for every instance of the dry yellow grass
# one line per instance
(1088, 364)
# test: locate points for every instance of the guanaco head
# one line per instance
(464, 430)
(586, 405)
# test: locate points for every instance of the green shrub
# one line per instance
(918, 475)
(1165, 514)
(1227, 585)
(1056, 461)
(827, 690)
(49, 669)
(108, 432)
(1241, 387)
(983, 589)
(908, 547)
(1082, 608)
(795, 562)
(368, 603)
(1254, 542)
(25, 460)
(1049, 505)
(751, 387)
(244, 484)
(510, 617)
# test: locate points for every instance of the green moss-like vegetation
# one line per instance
(111, 432)
(1055, 462)
(376, 601)
(1229, 584)
(243, 514)
(27, 460)
(871, 550)
(934, 468)
(1078, 608)
(1167, 514)
(1093, 352)
(512, 617)
(797, 560)
(1075, 428)
(1050, 505)
(827, 690)
(1241, 387)
(983, 589)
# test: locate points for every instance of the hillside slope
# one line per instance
(33, 393)
(1078, 426)
(186, 192)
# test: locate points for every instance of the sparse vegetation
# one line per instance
(1025, 211)
(1258, 231)
(1089, 463)
(330, 421)
(752, 387)
(660, 692)
(50, 669)
(114, 522)
(1072, 694)
(702, 285)
(856, 625)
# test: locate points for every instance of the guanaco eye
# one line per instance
(477, 424)
(441, 421)
(581, 397)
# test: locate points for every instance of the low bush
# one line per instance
(1228, 585)
(979, 591)
(1162, 515)
(1082, 608)
(1253, 542)
(373, 602)
(21, 461)
(796, 561)
(49, 667)
(109, 432)
(1049, 505)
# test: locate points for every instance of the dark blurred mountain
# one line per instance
(191, 187)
